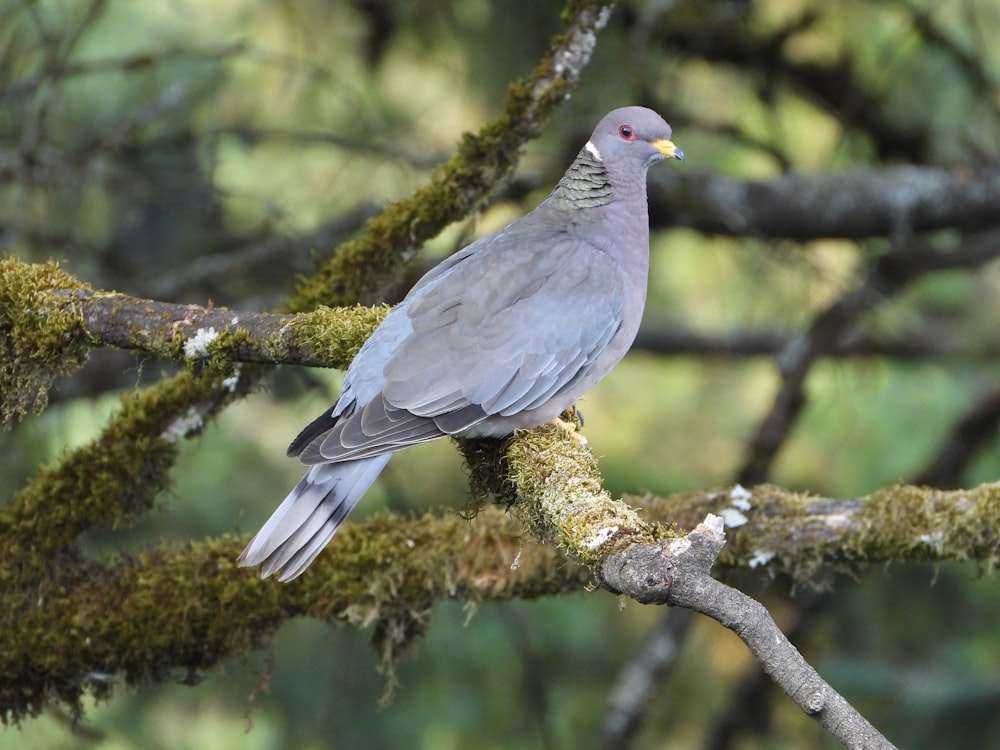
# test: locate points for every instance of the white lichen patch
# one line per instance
(233, 380)
(740, 497)
(732, 517)
(760, 558)
(190, 421)
(933, 540)
(600, 537)
(715, 524)
(197, 345)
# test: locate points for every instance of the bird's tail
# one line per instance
(309, 517)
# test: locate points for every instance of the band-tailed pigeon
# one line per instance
(505, 334)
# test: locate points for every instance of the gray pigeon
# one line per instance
(505, 334)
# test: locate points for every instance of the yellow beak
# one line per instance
(668, 149)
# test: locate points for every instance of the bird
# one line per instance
(505, 334)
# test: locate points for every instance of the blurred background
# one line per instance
(193, 151)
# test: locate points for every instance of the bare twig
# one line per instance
(943, 340)
(267, 250)
(834, 84)
(677, 573)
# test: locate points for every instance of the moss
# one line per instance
(561, 498)
(86, 628)
(337, 334)
(485, 462)
(40, 337)
(111, 479)
(908, 522)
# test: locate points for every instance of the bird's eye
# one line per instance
(626, 132)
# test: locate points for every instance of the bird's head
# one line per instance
(632, 137)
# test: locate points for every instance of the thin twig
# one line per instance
(975, 429)
(678, 573)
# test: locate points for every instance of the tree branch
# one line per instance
(931, 339)
(84, 627)
(974, 430)
(326, 337)
(68, 625)
(637, 683)
(836, 84)
(890, 273)
(876, 202)
(677, 573)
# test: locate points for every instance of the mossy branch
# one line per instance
(71, 626)
(52, 320)
(39, 340)
(561, 500)
(110, 479)
(177, 610)
(809, 537)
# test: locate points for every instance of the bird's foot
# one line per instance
(570, 425)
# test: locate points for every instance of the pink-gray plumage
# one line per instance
(505, 334)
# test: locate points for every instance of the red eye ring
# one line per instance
(626, 133)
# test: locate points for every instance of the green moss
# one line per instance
(485, 462)
(111, 479)
(41, 337)
(336, 335)
(562, 500)
(146, 618)
(912, 523)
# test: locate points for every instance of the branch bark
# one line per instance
(876, 202)
(677, 574)
(932, 339)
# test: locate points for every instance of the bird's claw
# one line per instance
(570, 429)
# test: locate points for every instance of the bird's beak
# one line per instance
(668, 149)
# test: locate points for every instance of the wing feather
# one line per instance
(546, 306)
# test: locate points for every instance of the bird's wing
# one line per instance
(513, 321)
(507, 329)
